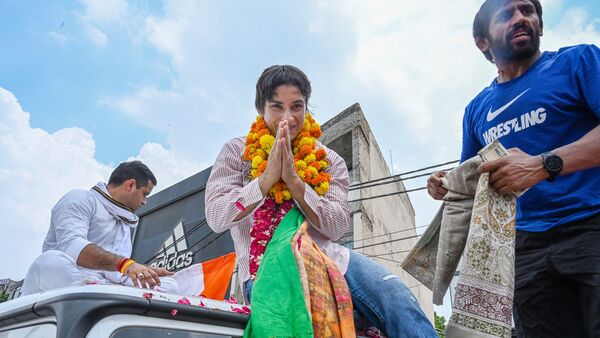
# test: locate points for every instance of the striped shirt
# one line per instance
(228, 184)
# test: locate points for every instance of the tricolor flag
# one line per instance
(209, 279)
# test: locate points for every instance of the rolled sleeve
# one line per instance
(250, 194)
(311, 197)
(71, 220)
(73, 248)
(226, 196)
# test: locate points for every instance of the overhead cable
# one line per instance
(185, 234)
(377, 236)
(404, 173)
(393, 181)
(386, 195)
(386, 242)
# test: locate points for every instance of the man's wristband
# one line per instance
(121, 262)
(124, 264)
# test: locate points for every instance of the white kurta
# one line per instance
(78, 219)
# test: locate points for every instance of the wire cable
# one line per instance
(399, 179)
(388, 234)
(390, 253)
(185, 234)
(207, 244)
(386, 195)
(386, 242)
(404, 173)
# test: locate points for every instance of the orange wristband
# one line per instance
(121, 262)
(126, 265)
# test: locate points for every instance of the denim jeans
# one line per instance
(248, 291)
(384, 300)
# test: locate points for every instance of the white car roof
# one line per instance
(117, 290)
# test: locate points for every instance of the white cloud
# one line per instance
(201, 105)
(105, 11)
(166, 166)
(412, 65)
(575, 27)
(98, 16)
(60, 38)
(182, 23)
(422, 60)
(97, 36)
(37, 168)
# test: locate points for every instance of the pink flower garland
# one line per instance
(266, 219)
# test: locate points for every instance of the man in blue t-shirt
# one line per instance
(545, 107)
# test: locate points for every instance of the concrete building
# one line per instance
(14, 290)
(382, 228)
(10, 288)
(4, 283)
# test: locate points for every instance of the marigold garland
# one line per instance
(309, 161)
(310, 164)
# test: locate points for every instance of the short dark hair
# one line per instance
(278, 75)
(481, 23)
(133, 169)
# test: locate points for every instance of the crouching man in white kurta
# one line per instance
(89, 240)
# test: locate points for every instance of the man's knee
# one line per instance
(52, 269)
(54, 261)
(168, 285)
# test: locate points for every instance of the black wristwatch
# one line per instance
(553, 165)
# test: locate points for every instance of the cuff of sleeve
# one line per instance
(250, 195)
(74, 248)
(311, 198)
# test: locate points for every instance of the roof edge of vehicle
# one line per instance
(82, 305)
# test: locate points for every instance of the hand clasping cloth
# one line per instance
(479, 222)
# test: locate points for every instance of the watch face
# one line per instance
(553, 162)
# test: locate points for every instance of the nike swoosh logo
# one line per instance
(493, 114)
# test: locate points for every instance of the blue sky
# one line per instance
(63, 76)
(61, 83)
(87, 84)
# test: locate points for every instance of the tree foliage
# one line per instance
(440, 324)
(3, 296)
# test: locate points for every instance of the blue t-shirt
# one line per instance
(554, 103)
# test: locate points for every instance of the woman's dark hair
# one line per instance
(133, 169)
(276, 76)
(481, 23)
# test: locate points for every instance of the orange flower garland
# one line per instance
(309, 161)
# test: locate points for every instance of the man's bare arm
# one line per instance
(96, 258)
(581, 154)
(519, 171)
